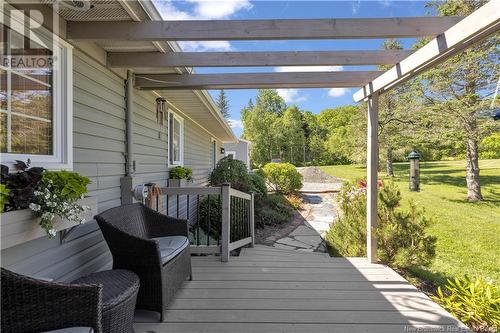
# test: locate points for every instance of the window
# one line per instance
(176, 139)
(35, 100)
(232, 154)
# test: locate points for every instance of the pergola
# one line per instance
(452, 34)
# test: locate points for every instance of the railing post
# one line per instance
(226, 221)
(252, 221)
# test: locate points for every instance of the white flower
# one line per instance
(34, 207)
(83, 221)
(86, 207)
(52, 232)
(82, 196)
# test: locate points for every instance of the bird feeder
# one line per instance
(414, 158)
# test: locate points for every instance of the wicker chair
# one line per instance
(103, 302)
(152, 245)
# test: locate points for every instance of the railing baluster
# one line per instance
(177, 204)
(219, 205)
(198, 222)
(209, 220)
(167, 205)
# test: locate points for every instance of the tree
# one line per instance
(261, 126)
(394, 117)
(453, 93)
(223, 104)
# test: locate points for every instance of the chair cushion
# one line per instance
(170, 246)
(118, 285)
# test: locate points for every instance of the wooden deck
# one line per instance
(272, 290)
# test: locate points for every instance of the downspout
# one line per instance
(129, 119)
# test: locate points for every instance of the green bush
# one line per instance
(284, 177)
(401, 237)
(229, 170)
(274, 209)
(476, 302)
(180, 172)
(489, 148)
(4, 196)
(258, 184)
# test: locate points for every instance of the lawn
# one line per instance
(468, 234)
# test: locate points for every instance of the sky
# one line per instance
(313, 100)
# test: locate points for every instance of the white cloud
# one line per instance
(235, 123)
(355, 7)
(291, 95)
(203, 10)
(199, 46)
(337, 92)
(308, 69)
(217, 9)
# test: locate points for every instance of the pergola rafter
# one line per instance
(364, 28)
(255, 59)
(341, 79)
(475, 27)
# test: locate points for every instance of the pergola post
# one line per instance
(372, 180)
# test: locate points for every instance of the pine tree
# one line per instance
(223, 104)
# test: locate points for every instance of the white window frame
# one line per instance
(181, 142)
(62, 98)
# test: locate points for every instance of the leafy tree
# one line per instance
(453, 93)
(394, 118)
(223, 104)
(270, 101)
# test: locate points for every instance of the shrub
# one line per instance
(284, 177)
(4, 197)
(476, 302)
(180, 172)
(229, 170)
(258, 184)
(401, 237)
(272, 210)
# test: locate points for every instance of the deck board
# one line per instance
(274, 290)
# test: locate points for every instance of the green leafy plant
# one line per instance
(4, 197)
(475, 301)
(180, 172)
(66, 184)
(258, 184)
(57, 195)
(229, 170)
(284, 177)
(402, 240)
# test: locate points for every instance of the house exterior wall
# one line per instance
(99, 153)
(242, 151)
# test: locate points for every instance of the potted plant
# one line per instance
(38, 202)
(179, 175)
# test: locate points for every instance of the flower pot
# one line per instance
(177, 183)
(20, 226)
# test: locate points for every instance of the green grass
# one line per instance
(468, 234)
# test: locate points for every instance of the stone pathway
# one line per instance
(316, 218)
(307, 227)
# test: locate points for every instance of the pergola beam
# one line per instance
(478, 25)
(248, 59)
(400, 27)
(345, 79)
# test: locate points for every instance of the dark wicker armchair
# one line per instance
(152, 245)
(30, 305)
(103, 301)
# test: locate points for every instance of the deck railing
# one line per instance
(221, 219)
